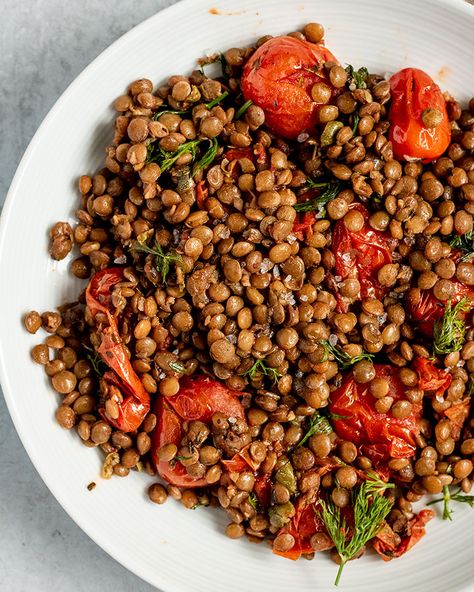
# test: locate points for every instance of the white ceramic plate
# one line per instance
(172, 548)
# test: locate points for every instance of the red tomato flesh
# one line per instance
(380, 436)
(198, 399)
(413, 91)
(279, 76)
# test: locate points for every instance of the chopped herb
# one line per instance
(370, 510)
(448, 497)
(332, 189)
(252, 500)
(318, 424)
(163, 260)
(96, 361)
(357, 77)
(208, 156)
(341, 357)
(464, 243)
(217, 100)
(166, 110)
(355, 124)
(448, 333)
(177, 366)
(243, 109)
(259, 366)
(167, 159)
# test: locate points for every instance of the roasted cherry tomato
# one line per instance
(380, 436)
(279, 76)
(360, 255)
(425, 308)
(198, 399)
(430, 378)
(303, 225)
(129, 401)
(389, 545)
(419, 124)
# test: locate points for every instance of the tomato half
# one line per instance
(431, 378)
(360, 255)
(198, 399)
(380, 436)
(413, 92)
(278, 77)
(131, 402)
(390, 545)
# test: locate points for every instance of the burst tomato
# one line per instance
(279, 76)
(360, 255)
(414, 93)
(198, 399)
(390, 545)
(380, 436)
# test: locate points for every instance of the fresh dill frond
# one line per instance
(164, 261)
(457, 496)
(217, 100)
(357, 77)
(167, 159)
(331, 191)
(253, 501)
(318, 424)
(464, 243)
(341, 357)
(243, 108)
(165, 111)
(208, 157)
(356, 123)
(370, 509)
(259, 367)
(98, 365)
(449, 332)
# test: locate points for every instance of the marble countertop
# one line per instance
(44, 45)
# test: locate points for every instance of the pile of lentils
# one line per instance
(247, 289)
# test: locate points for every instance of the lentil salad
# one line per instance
(278, 315)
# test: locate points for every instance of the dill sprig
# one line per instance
(464, 243)
(357, 77)
(457, 496)
(208, 157)
(165, 110)
(217, 100)
(448, 333)
(98, 365)
(163, 260)
(253, 501)
(259, 367)
(331, 191)
(318, 424)
(370, 509)
(243, 108)
(341, 357)
(356, 123)
(167, 159)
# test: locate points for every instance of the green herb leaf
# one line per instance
(357, 77)
(217, 100)
(370, 510)
(259, 366)
(208, 156)
(458, 496)
(243, 109)
(165, 111)
(464, 243)
(176, 366)
(163, 260)
(341, 357)
(167, 159)
(318, 424)
(355, 124)
(98, 365)
(253, 501)
(331, 191)
(449, 332)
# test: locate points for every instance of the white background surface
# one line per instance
(44, 44)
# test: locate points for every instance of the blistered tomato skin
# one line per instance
(279, 76)
(414, 96)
